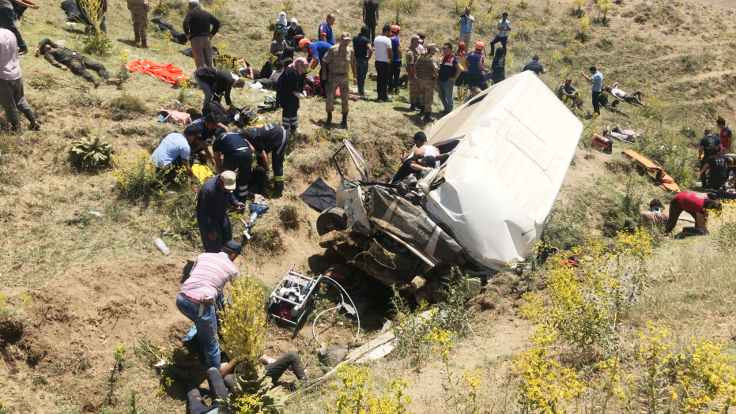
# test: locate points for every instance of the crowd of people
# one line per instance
(333, 58)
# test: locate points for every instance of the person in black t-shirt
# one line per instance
(363, 52)
(217, 84)
(710, 146)
(370, 17)
(714, 173)
(234, 152)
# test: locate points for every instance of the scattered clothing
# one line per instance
(166, 72)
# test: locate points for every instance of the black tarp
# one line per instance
(320, 196)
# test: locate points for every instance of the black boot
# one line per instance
(328, 122)
(344, 123)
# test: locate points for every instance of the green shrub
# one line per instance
(180, 211)
(97, 43)
(90, 155)
(126, 107)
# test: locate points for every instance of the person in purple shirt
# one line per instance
(326, 28)
(396, 60)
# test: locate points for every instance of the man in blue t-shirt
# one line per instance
(326, 28)
(175, 149)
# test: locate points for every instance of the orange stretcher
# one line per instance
(655, 170)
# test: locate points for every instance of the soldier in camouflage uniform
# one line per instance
(415, 50)
(427, 71)
(139, 14)
(337, 61)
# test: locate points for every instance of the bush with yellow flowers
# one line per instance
(545, 385)
(244, 324)
(354, 394)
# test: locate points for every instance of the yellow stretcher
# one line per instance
(655, 170)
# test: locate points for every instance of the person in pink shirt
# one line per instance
(694, 204)
(202, 290)
(12, 98)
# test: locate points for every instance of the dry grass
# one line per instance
(53, 245)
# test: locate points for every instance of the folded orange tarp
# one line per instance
(164, 71)
(660, 175)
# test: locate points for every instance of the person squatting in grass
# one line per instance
(175, 151)
(271, 138)
(64, 58)
(232, 151)
(12, 96)
(213, 200)
(201, 291)
(694, 204)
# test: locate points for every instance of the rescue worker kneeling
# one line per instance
(233, 152)
(697, 206)
(271, 138)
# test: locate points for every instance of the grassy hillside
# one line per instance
(84, 289)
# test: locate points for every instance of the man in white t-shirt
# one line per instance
(384, 56)
(504, 28)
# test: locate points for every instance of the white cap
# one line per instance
(228, 179)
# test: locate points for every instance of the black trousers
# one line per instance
(217, 388)
(597, 102)
(242, 161)
(384, 77)
(287, 361)
(371, 30)
(361, 67)
(79, 65)
(395, 76)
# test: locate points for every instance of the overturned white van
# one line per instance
(507, 151)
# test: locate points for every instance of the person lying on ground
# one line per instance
(271, 138)
(715, 172)
(203, 288)
(163, 25)
(221, 385)
(569, 94)
(534, 66)
(217, 84)
(694, 204)
(633, 99)
(71, 11)
(64, 58)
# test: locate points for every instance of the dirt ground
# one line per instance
(74, 287)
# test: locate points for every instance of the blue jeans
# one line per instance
(206, 328)
(446, 91)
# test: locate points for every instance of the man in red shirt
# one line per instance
(725, 134)
(694, 204)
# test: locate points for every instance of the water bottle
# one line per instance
(161, 246)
